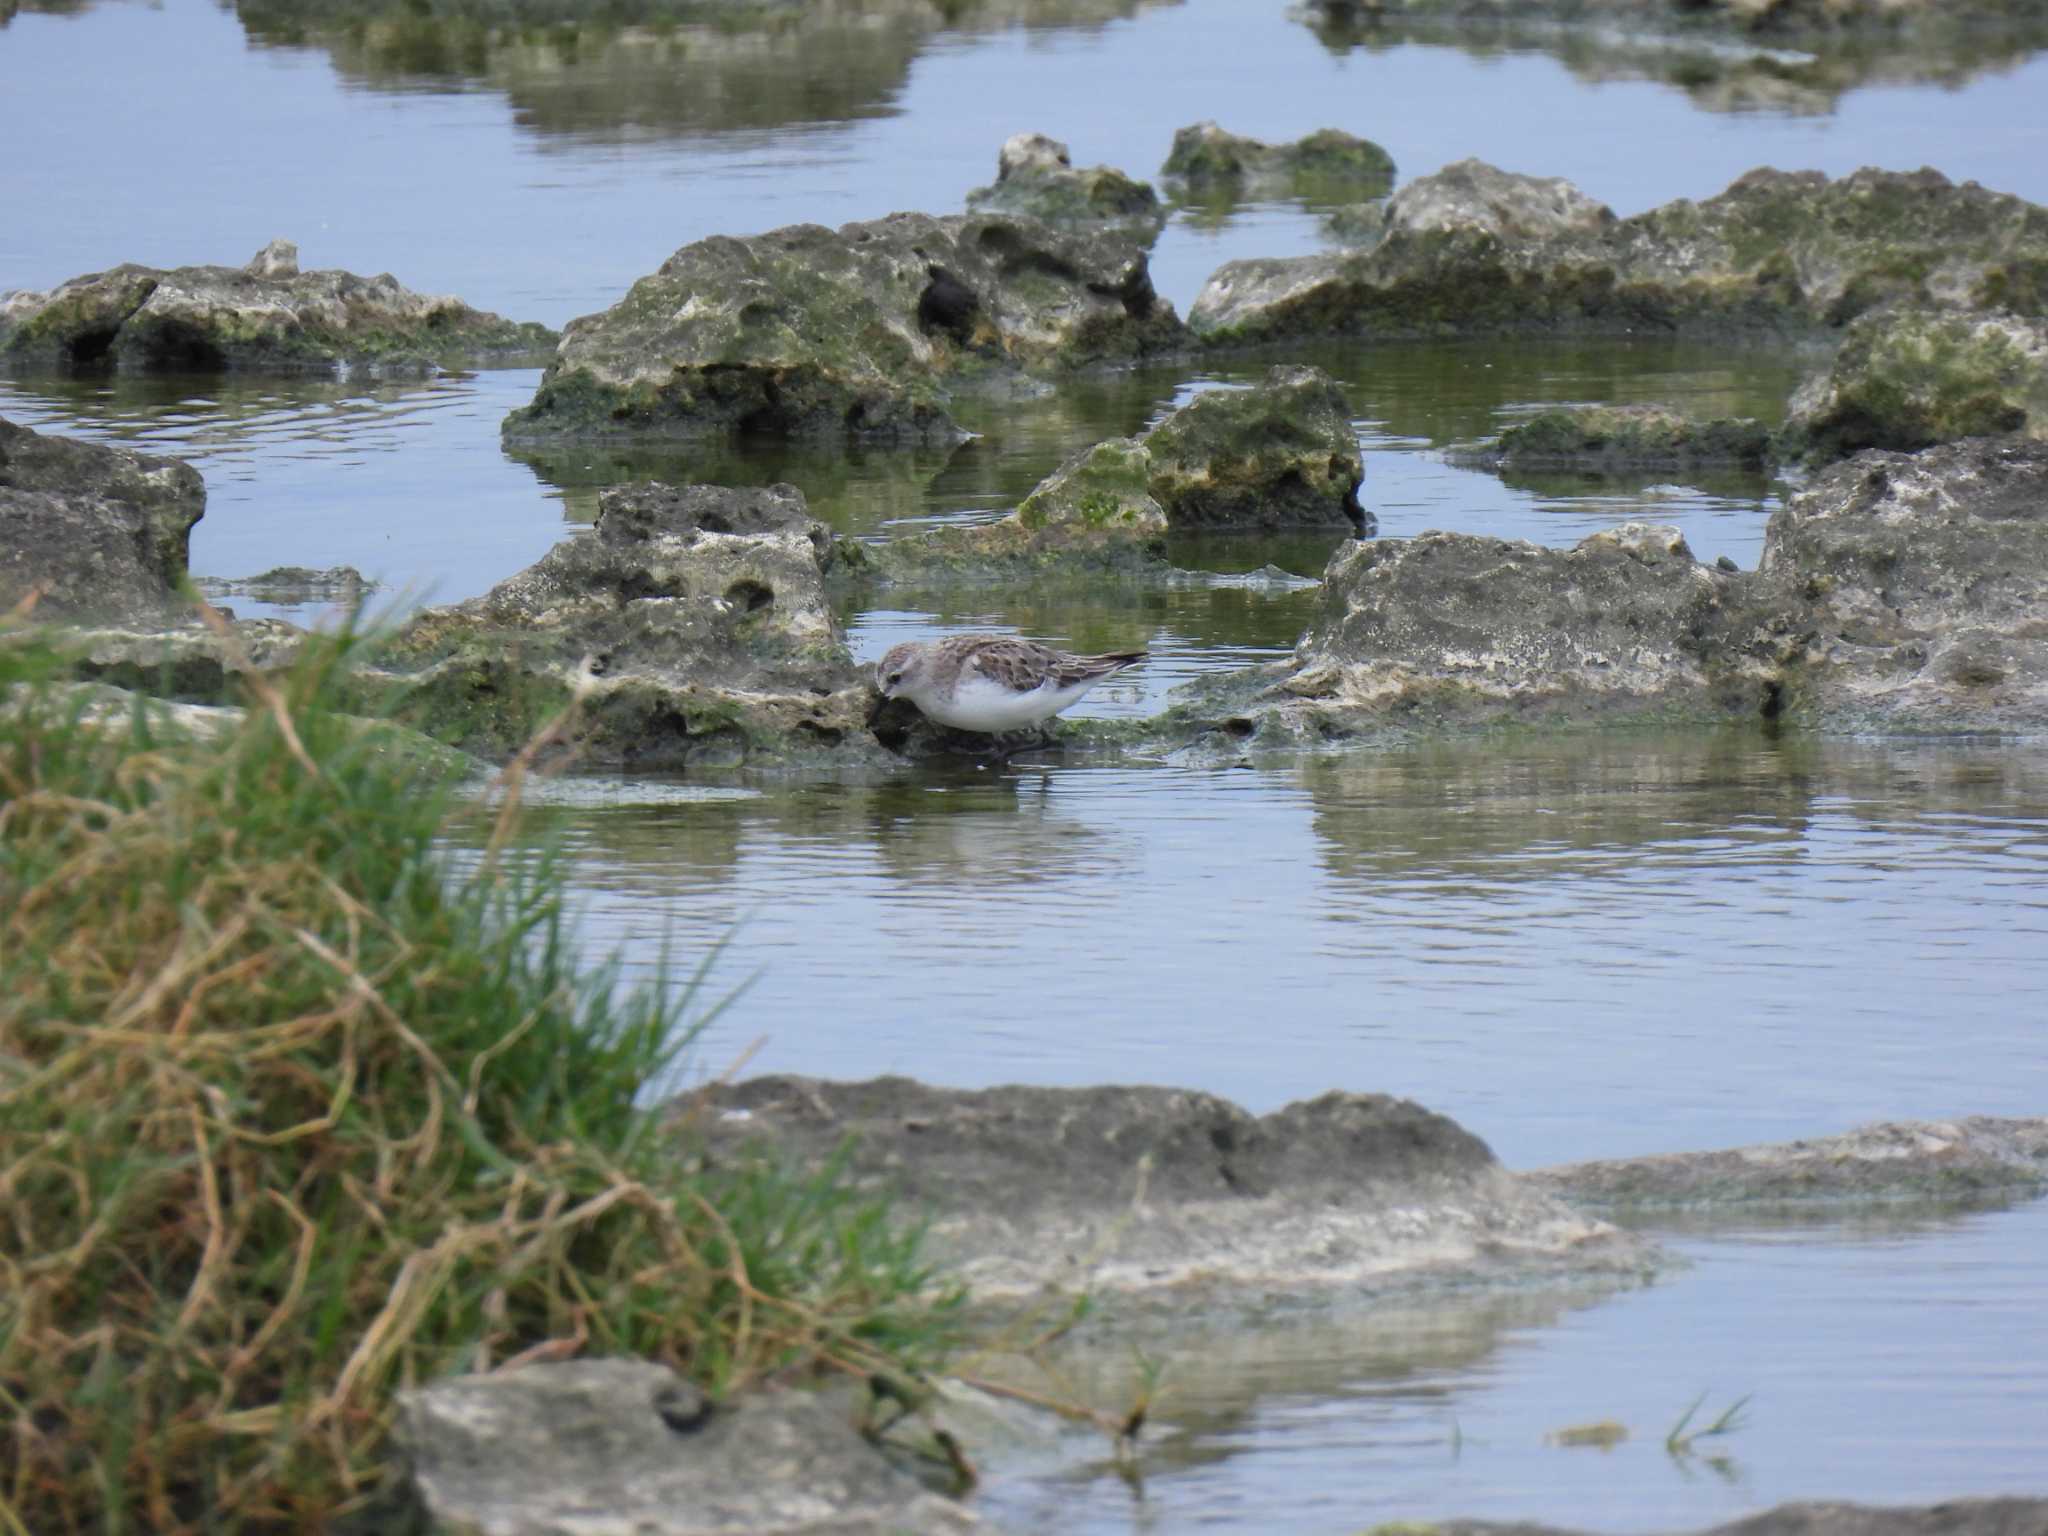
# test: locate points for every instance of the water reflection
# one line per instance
(1848, 1344)
(657, 69)
(1579, 946)
(1719, 70)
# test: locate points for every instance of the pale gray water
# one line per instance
(1577, 946)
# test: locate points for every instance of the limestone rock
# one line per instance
(627, 1448)
(1474, 251)
(100, 532)
(1035, 178)
(1103, 486)
(1909, 378)
(693, 621)
(267, 316)
(1452, 626)
(1282, 454)
(1896, 1159)
(1134, 1190)
(1918, 585)
(864, 331)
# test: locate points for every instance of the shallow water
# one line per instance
(1582, 946)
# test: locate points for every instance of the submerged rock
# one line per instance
(1608, 439)
(609, 1447)
(267, 316)
(864, 331)
(1894, 1159)
(94, 532)
(1138, 1190)
(1476, 251)
(1909, 378)
(1036, 179)
(1279, 455)
(1332, 165)
(690, 625)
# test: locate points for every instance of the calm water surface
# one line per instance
(1589, 946)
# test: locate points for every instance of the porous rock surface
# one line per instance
(862, 331)
(1137, 1189)
(1917, 585)
(1452, 627)
(98, 532)
(1477, 251)
(1893, 1159)
(627, 1448)
(691, 623)
(1036, 178)
(265, 316)
(1909, 377)
(1897, 592)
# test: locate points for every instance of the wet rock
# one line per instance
(1474, 251)
(1917, 588)
(264, 317)
(1909, 378)
(684, 643)
(864, 331)
(1450, 628)
(1104, 486)
(1895, 1159)
(1282, 454)
(1138, 1189)
(1621, 439)
(1036, 179)
(1206, 162)
(627, 1448)
(96, 531)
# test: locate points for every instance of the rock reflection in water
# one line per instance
(653, 68)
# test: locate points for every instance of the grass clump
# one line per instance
(294, 1112)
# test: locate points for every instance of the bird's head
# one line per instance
(902, 671)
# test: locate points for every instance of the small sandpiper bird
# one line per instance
(991, 683)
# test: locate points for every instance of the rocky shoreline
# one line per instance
(1175, 1212)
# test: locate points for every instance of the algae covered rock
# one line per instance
(1909, 378)
(1036, 179)
(1103, 486)
(692, 623)
(1282, 454)
(1619, 439)
(266, 316)
(863, 331)
(1208, 163)
(94, 531)
(1474, 251)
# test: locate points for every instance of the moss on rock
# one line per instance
(1910, 378)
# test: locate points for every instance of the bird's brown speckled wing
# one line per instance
(1023, 665)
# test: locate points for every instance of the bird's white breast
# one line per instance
(979, 704)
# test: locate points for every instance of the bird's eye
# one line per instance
(895, 678)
